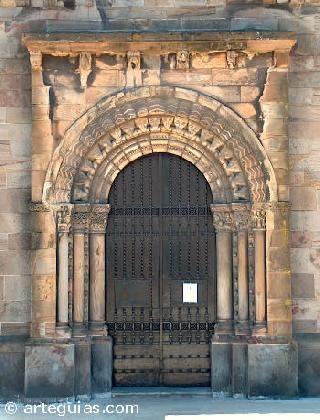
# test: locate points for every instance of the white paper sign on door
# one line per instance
(190, 293)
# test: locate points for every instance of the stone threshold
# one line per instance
(161, 391)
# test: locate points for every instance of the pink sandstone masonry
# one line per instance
(275, 92)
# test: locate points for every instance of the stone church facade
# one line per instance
(149, 148)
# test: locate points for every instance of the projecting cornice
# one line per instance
(63, 44)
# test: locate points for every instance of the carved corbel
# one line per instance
(85, 68)
(232, 59)
(99, 217)
(36, 60)
(223, 217)
(134, 73)
(183, 60)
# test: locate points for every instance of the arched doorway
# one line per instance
(160, 269)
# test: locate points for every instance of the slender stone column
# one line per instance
(63, 217)
(80, 229)
(223, 223)
(259, 227)
(241, 216)
(97, 302)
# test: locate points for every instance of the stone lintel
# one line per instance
(63, 44)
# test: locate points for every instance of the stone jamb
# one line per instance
(66, 44)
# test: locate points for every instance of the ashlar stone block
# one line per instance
(49, 371)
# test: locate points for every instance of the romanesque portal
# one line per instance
(164, 204)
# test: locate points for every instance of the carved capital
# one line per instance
(39, 207)
(85, 68)
(81, 217)
(258, 216)
(99, 217)
(63, 215)
(223, 218)
(36, 60)
(282, 206)
(241, 214)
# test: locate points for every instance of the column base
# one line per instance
(82, 383)
(97, 329)
(268, 369)
(242, 328)
(80, 369)
(63, 331)
(102, 365)
(224, 326)
(259, 329)
(79, 330)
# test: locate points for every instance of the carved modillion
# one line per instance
(85, 68)
(36, 60)
(183, 60)
(134, 74)
(232, 59)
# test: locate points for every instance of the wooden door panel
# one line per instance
(186, 363)
(189, 378)
(160, 235)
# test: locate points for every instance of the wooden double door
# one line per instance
(160, 273)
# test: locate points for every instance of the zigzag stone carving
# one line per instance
(145, 120)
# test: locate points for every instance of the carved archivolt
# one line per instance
(133, 123)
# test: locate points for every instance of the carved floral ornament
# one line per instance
(79, 217)
(133, 123)
(99, 217)
(241, 217)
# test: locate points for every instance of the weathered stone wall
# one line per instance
(243, 91)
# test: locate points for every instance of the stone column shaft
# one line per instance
(80, 230)
(242, 224)
(97, 277)
(243, 276)
(224, 276)
(259, 226)
(63, 216)
(97, 301)
(223, 223)
(78, 277)
(63, 286)
(260, 275)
